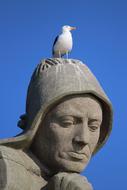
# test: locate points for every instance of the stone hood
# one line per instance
(52, 80)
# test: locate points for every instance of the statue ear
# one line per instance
(22, 123)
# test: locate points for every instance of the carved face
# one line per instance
(69, 134)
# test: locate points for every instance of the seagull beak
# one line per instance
(72, 28)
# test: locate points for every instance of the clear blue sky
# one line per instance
(27, 31)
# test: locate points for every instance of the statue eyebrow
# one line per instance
(71, 114)
(95, 120)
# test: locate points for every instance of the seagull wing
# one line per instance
(54, 44)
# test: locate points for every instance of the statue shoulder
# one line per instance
(18, 171)
(9, 153)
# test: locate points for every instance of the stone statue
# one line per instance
(68, 119)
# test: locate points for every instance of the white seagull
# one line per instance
(63, 43)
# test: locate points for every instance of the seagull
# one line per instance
(63, 42)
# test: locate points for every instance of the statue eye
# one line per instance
(93, 125)
(66, 121)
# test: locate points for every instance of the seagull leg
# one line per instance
(59, 54)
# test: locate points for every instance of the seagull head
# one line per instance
(67, 28)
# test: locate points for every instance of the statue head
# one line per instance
(64, 93)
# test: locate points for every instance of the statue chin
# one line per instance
(64, 165)
(74, 167)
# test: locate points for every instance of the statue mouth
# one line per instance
(78, 156)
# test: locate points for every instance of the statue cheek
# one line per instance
(93, 141)
(60, 133)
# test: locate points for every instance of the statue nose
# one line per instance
(81, 136)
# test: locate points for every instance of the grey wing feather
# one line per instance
(54, 44)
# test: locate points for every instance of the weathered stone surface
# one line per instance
(68, 119)
(18, 171)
